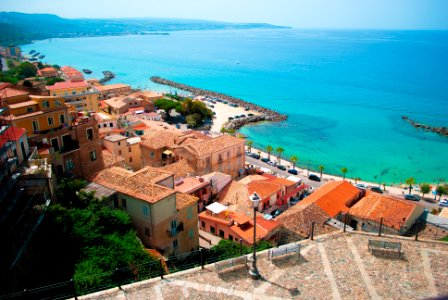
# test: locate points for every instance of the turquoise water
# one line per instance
(344, 91)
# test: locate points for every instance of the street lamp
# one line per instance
(253, 271)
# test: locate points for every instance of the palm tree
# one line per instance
(269, 150)
(344, 170)
(259, 153)
(279, 150)
(410, 181)
(441, 190)
(249, 145)
(294, 160)
(321, 169)
(425, 188)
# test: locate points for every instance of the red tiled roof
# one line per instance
(394, 211)
(67, 85)
(184, 200)
(11, 134)
(9, 92)
(333, 197)
(263, 188)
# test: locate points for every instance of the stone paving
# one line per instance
(336, 266)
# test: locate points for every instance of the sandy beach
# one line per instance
(223, 112)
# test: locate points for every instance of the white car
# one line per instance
(443, 202)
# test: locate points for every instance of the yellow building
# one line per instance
(78, 94)
(36, 114)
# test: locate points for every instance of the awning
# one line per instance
(167, 152)
(216, 207)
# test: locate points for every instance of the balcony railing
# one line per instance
(174, 231)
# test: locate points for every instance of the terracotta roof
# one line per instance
(236, 197)
(180, 169)
(208, 147)
(263, 229)
(111, 159)
(48, 69)
(263, 188)
(67, 85)
(394, 211)
(333, 197)
(11, 134)
(250, 178)
(108, 87)
(22, 104)
(190, 185)
(240, 218)
(184, 200)
(140, 185)
(9, 92)
(160, 139)
(299, 218)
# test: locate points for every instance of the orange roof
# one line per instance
(240, 218)
(263, 188)
(11, 134)
(333, 197)
(107, 87)
(190, 185)
(140, 185)
(263, 229)
(111, 159)
(208, 147)
(184, 200)
(394, 211)
(180, 168)
(67, 85)
(9, 92)
(48, 69)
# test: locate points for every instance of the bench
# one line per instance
(383, 245)
(283, 250)
(229, 263)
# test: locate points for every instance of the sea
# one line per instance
(344, 91)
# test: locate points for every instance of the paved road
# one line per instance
(303, 175)
(4, 64)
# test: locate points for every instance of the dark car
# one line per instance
(276, 213)
(412, 197)
(294, 201)
(376, 189)
(265, 159)
(281, 167)
(314, 177)
(255, 155)
(293, 171)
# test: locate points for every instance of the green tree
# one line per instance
(227, 249)
(294, 160)
(194, 120)
(269, 150)
(249, 145)
(441, 190)
(279, 150)
(52, 81)
(344, 171)
(26, 69)
(425, 188)
(321, 170)
(410, 181)
(67, 192)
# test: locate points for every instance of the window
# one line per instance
(130, 149)
(74, 92)
(29, 109)
(175, 244)
(123, 203)
(190, 213)
(69, 164)
(202, 224)
(35, 125)
(221, 233)
(228, 154)
(231, 237)
(104, 125)
(147, 232)
(111, 124)
(130, 159)
(119, 152)
(90, 133)
(99, 126)
(119, 143)
(45, 104)
(191, 233)
(61, 119)
(92, 155)
(212, 229)
(151, 154)
(58, 103)
(145, 210)
(116, 202)
(173, 224)
(54, 94)
(50, 120)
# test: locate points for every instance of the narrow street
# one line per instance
(4, 64)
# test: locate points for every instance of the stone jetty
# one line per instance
(439, 130)
(265, 113)
(108, 75)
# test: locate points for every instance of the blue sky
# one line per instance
(381, 14)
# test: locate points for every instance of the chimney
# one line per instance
(201, 179)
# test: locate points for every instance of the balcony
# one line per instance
(174, 231)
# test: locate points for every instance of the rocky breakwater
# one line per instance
(439, 130)
(108, 75)
(265, 113)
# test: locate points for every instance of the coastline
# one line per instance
(262, 113)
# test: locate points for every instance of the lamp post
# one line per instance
(253, 271)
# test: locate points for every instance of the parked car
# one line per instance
(276, 213)
(265, 159)
(293, 171)
(443, 202)
(314, 177)
(255, 155)
(281, 167)
(412, 197)
(376, 189)
(294, 201)
(271, 163)
(360, 185)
